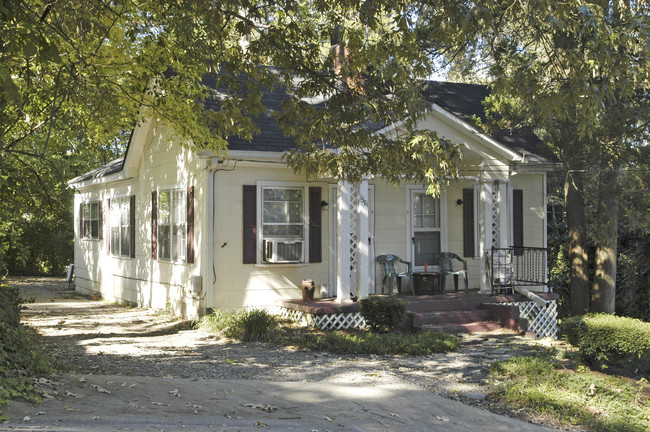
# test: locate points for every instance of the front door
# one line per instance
(426, 223)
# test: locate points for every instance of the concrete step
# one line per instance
(473, 327)
(451, 317)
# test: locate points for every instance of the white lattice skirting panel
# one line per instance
(541, 320)
(338, 321)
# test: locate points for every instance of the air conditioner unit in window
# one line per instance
(282, 251)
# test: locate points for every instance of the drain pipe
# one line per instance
(532, 296)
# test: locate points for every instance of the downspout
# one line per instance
(207, 242)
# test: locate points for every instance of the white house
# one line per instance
(165, 227)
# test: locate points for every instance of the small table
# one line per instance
(427, 283)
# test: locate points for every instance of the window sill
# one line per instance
(275, 265)
(120, 257)
(166, 261)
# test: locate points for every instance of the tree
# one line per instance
(74, 75)
(578, 72)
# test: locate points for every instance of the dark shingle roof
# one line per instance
(462, 100)
(110, 168)
(466, 101)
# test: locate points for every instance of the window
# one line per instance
(172, 225)
(283, 224)
(426, 219)
(288, 226)
(90, 214)
(122, 215)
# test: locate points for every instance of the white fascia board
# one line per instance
(466, 127)
(539, 167)
(112, 178)
(390, 127)
(254, 156)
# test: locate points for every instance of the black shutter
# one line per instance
(154, 225)
(190, 225)
(468, 223)
(132, 222)
(518, 219)
(81, 220)
(250, 224)
(315, 225)
(100, 222)
(108, 232)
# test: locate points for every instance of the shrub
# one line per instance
(20, 356)
(382, 313)
(254, 325)
(248, 325)
(607, 340)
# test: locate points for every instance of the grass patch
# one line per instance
(576, 396)
(286, 333)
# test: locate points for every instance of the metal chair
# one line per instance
(446, 262)
(390, 273)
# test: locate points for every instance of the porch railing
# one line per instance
(513, 267)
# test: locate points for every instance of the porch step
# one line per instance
(472, 327)
(451, 317)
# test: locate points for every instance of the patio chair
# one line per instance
(446, 262)
(390, 273)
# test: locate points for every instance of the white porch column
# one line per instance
(503, 214)
(343, 271)
(485, 232)
(363, 261)
(494, 224)
(353, 267)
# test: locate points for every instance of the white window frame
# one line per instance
(173, 224)
(122, 202)
(304, 188)
(88, 220)
(409, 223)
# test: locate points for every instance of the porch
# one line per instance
(450, 312)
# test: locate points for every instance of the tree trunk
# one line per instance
(603, 291)
(578, 258)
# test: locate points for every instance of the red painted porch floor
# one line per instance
(450, 312)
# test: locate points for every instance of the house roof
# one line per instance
(110, 168)
(462, 100)
(466, 101)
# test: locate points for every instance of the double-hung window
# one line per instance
(283, 224)
(91, 220)
(121, 226)
(172, 225)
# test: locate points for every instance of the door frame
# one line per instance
(410, 190)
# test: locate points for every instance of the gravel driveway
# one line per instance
(101, 339)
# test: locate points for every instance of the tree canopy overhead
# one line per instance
(89, 67)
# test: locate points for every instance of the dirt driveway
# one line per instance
(134, 369)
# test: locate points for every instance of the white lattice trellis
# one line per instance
(541, 320)
(334, 321)
(355, 199)
(495, 215)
